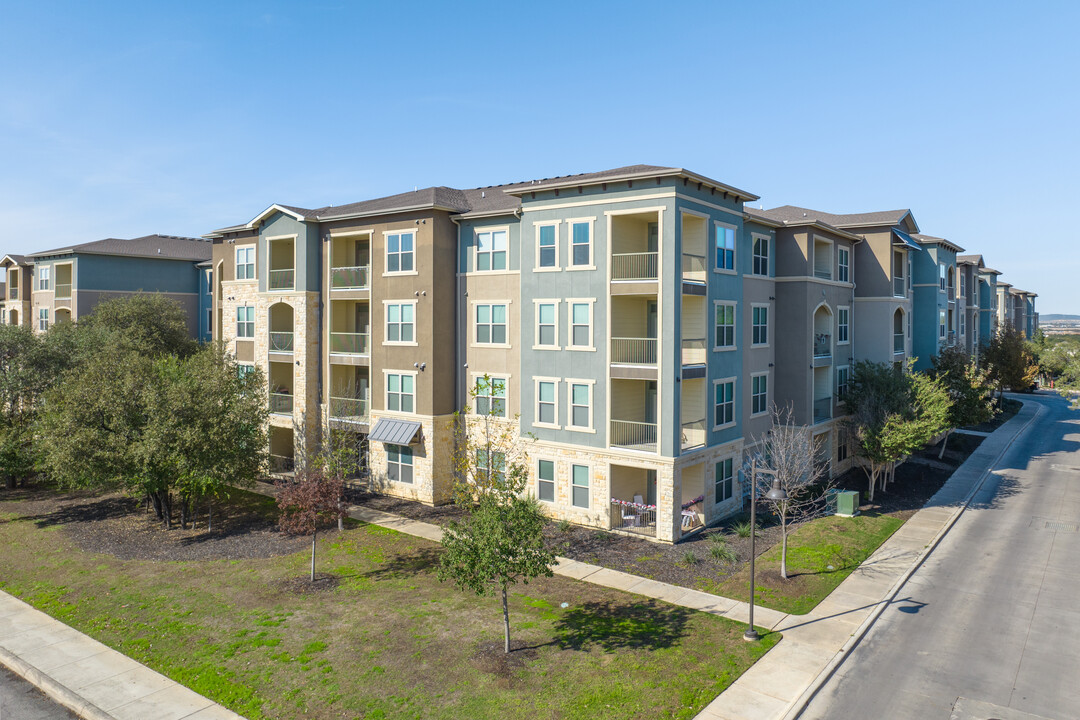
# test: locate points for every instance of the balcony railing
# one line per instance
(349, 343)
(633, 517)
(693, 433)
(63, 291)
(634, 266)
(952, 337)
(633, 435)
(822, 344)
(349, 278)
(898, 342)
(633, 351)
(354, 409)
(898, 286)
(693, 267)
(282, 279)
(952, 292)
(281, 342)
(282, 464)
(822, 409)
(13, 292)
(823, 273)
(281, 403)
(693, 351)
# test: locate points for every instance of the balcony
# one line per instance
(693, 351)
(693, 267)
(693, 434)
(822, 409)
(282, 265)
(63, 291)
(281, 342)
(349, 409)
(822, 345)
(349, 343)
(282, 279)
(634, 517)
(823, 274)
(634, 351)
(282, 464)
(281, 403)
(898, 342)
(349, 278)
(898, 287)
(633, 435)
(634, 266)
(952, 293)
(13, 292)
(951, 340)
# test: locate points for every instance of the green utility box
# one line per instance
(847, 503)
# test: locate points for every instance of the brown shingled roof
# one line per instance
(164, 246)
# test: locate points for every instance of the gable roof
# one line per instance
(888, 218)
(16, 260)
(970, 260)
(931, 240)
(773, 220)
(170, 247)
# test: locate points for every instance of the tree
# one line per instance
(969, 388)
(501, 541)
(1009, 360)
(308, 502)
(789, 451)
(149, 323)
(892, 412)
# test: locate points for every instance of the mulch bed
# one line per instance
(303, 585)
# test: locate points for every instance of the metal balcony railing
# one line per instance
(633, 351)
(898, 286)
(349, 278)
(822, 344)
(693, 433)
(349, 343)
(282, 464)
(13, 293)
(822, 409)
(634, 266)
(693, 351)
(823, 273)
(633, 517)
(952, 292)
(63, 291)
(281, 403)
(355, 409)
(693, 267)
(281, 342)
(282, 279)
(633, 435)
(898, 342)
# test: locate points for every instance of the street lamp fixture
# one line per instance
(775, 493)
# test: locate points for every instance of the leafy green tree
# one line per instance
(1009, 360)
(149, 323)
(969, 388)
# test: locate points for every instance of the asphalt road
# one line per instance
(993, 615)
(19, 700)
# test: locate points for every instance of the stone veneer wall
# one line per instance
(433, 460)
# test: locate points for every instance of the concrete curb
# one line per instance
(57, 692)
(796, 709)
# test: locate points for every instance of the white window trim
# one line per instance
(386, 253)
(836, 381)
(44, 275)
(768, 324)
(735, 332)
(734, 402)
(768, 392)
(832, 261)
(476, 250)
(735, 494)
(571, 485)
(536, 323)
(570, 222)
(472, 324)
(386, 322)
(846, 249)
(554, 479)
(570, 383)
(273, 238)
(536, 245)
(734, 249)
(570, 302)
(254, 262)
(848, 309)
(411, 465)
(254, 323)
(386, 392)
(505, 377)
(536, 403)
(768, 254)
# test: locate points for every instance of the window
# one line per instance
(400, 318)
(579, 475)
(547, 251)
(725, 325)
(842, 324)
(490, 397)
(761, 256)
(843, 264)
(399, 463)
(545, 480)
(210, 320)
(491, 324)
(941, 323)
(581, 243)
(242, 371)
(43, 319)
(399, 252)
(245, 263)
(245, 321)
(581, 325)
(399, 392)
(759, 394)
(580, 405)
(724, 403)
(546, 328)
(209, 282)
(725, 248)
(491, 250)
(545, 402)
(760, 315)
(941, 277)
(725, 480)
(842, 375)
(43, 278)
(963, 323)
(493, 472)
(841, 445)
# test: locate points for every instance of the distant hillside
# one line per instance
(1057, 316)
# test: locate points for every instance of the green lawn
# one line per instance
(389, 642)
(839, 543)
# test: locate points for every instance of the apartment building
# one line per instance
(67, 283)
(18, 271)
(968, 269)
(935, 312)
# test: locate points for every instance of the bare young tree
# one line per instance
(789, 453)
(308, 502)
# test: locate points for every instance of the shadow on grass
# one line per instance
(611, 627)
(405, 565)
(93, 511)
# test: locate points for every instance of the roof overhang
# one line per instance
(275, 208)
(644, 174)
(902, 238)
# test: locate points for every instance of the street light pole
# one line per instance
(775, 493)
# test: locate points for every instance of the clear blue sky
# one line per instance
(123, 119)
